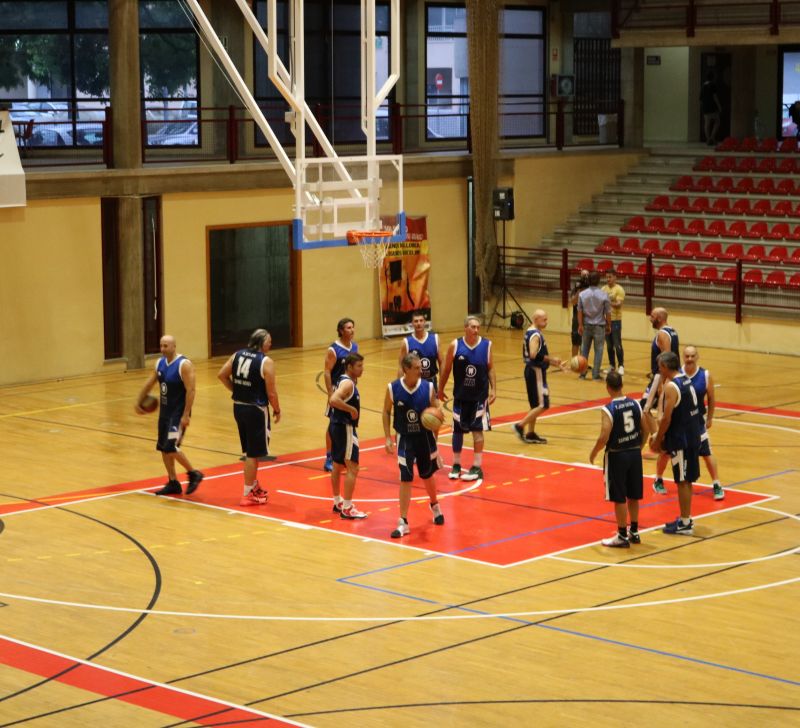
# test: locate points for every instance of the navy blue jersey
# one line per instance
(341, 353)
(655, 351)
(684, 427)
(408, 405)
(471, 371)
(428, 350)
(699, 381)
(173, 393)
(249, 386)
(626, 424)
(538, 361)
(340, 417)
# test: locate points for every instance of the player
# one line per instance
(537, 360)
(622, 433)
(334, 368)
(250, 377)
(703, 384)
(407, 397)
(345, 410)
(474, 390)
(176, 381)
(679, 435)
(426, 345)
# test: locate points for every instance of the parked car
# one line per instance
(183, 133)
(89, 135)
(51, 135)
(39, 110)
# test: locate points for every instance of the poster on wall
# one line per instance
(404, 278)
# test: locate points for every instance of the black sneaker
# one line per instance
(195, 478)
(438, 516)
(633, 536)
(337, 507)
(474, 473)
(520, 433)
(535, 439)
(173, 487)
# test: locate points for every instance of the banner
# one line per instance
(404, 277)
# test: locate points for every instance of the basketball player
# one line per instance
(407, 397)
(176, 381)
(426, 345)
(537, 360)
(333, 369)
(474, 389)
(703, 384)
(622, 434)
(250, 377)
(679, 435)
(345, 410)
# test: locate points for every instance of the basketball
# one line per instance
(578, 364)
(149, 403)
(432, 419)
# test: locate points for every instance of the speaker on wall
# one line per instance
(503, 203)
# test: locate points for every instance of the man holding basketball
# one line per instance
(537, 360)
(176, 380)
(426, 345)
(333, 369)
(407, 398)
(474, 390)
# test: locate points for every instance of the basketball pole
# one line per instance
(504, 290)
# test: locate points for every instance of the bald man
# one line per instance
(537, 361)
(175, 376)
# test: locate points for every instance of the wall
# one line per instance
(51, 295)
(666, 96)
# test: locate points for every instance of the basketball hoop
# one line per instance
(373, 245)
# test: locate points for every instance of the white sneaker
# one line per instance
(621, 371)
(401, 530)
(617, 542)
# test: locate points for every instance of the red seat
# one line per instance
(725, 164)
(748, 144)
(655, 225)
(706, 164)
(691, 250)
(584, 264)
(704, 184)
(696, 227)
(721, 206)
(784, 208)
(778, 254)
(746, 165)
(794, 212)
(676, 226)
(700, 205)
(710, 274)
(755, 252)
(671, 247)
(631, 246)
(609, 245)
(725, 185)
(794, 281)
(713, 250)
(682, 183)
(795, 233)
(605, 265)
(779, 231)
(641, 270)
(795, 256)
(717, 227)
(687, 272)
(753, 277)
(766, 186)
(762, 207)
(625, 268)
(785, 187)
(729, 144)
(737, 229)
(757, 230)
(786, 166)
(659, 204)
(776, 279)
(729, 274)
(788, 145)
(734, 250)
(680, 204)
(666, 270)
(768, 145)
(741, 207)
(651, 245)
(634, 225)
(744, 186)
(766, 165)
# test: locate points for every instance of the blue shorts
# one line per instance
(170, 433)
(685, 465)
(419, 449)
(471, 416)
(536, 384)
(253, 424)
(705, 446)
(344, 443)
(622, 472)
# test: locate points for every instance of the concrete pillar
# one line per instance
(632, 89)
(123, 31)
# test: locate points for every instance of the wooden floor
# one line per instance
(180, 611)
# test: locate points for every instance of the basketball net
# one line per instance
(373, 245)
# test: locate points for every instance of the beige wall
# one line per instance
(666, 96)
(51, 294)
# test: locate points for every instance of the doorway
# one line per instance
(718, 66)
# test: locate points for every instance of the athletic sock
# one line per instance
(337, 499)
(634, 526)
(347, 504)
(404, 519)
(686, 521)
(248, 488)
(477, 459)
(622, 531)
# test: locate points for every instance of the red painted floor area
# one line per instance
(524, 508)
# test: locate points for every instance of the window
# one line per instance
(522, 72)
(332, 68)
(54, 68)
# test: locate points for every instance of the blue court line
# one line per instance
(761, 477)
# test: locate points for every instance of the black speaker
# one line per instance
(517, 320)
(503, 203)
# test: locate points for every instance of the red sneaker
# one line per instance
(351, 513)
(255, 497)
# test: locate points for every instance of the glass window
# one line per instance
(447, 72)
(91, 14)
(163, 14)
(33, 15)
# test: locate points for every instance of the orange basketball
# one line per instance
(149, 403)
(432, 419)
(578, 364)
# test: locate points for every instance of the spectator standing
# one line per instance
(594, 322)
(616, 296)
